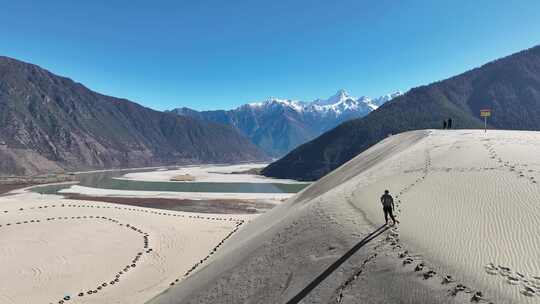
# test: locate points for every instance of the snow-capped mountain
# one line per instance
(382, 99)
(280, 125)
(338, 104)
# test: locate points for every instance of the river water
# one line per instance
(107, 180)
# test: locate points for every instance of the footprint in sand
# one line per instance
(528, 291)
(429, 274)
(403, 254)
(458, 288)
(461, 287)
(447, 279)
(478, 297)
(512, 280)
(491, 269)
(407, 261)
(504, 271)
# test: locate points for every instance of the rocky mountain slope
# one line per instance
(280, 125)
(509, 86)
(50, 123)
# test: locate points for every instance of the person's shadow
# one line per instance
(304, 292)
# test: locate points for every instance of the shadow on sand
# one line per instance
(304, 292)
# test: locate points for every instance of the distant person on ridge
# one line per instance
(388, 206)
(449, 123)
(444, 124)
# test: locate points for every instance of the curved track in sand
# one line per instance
(66, 252)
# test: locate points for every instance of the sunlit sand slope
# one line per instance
(469, 205)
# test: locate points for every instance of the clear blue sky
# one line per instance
(220, 54)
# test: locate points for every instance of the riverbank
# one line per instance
(90, 191)
(10, 183)
(243, 173)
(217, 206)
(5, 188)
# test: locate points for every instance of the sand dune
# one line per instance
(469, 209)
(468, 204)
(89, 252)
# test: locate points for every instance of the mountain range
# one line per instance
(50, 123)
(279, 125)
(510, 87)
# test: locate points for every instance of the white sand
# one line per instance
(208, 174)
(465, 199)
(44, 260)
(473, 208)
(273, 197)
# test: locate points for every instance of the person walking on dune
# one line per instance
(388, 206)
(444, 125)
(449, 123)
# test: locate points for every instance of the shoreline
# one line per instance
(11, 183)
(164, 167)
(5, 189)
(237, 173)
(89, 191)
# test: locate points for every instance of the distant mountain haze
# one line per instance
(279, 125)
(509, 86)
(50, 123)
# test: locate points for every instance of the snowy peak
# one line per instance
(341, 96)
(340, 103)
(278, 125)
(273, 102)
(383, 99)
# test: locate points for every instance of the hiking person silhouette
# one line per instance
(444, 124)
(388, 206)
(449, 123)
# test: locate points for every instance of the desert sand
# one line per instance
(469, 206)
(56, 250)
(182, 178)
(468, 203)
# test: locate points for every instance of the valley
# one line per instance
(269, 152)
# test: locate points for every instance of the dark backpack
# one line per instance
(387, 200)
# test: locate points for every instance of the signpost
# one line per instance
(485, 113)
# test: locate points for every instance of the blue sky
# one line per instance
(220, 54)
